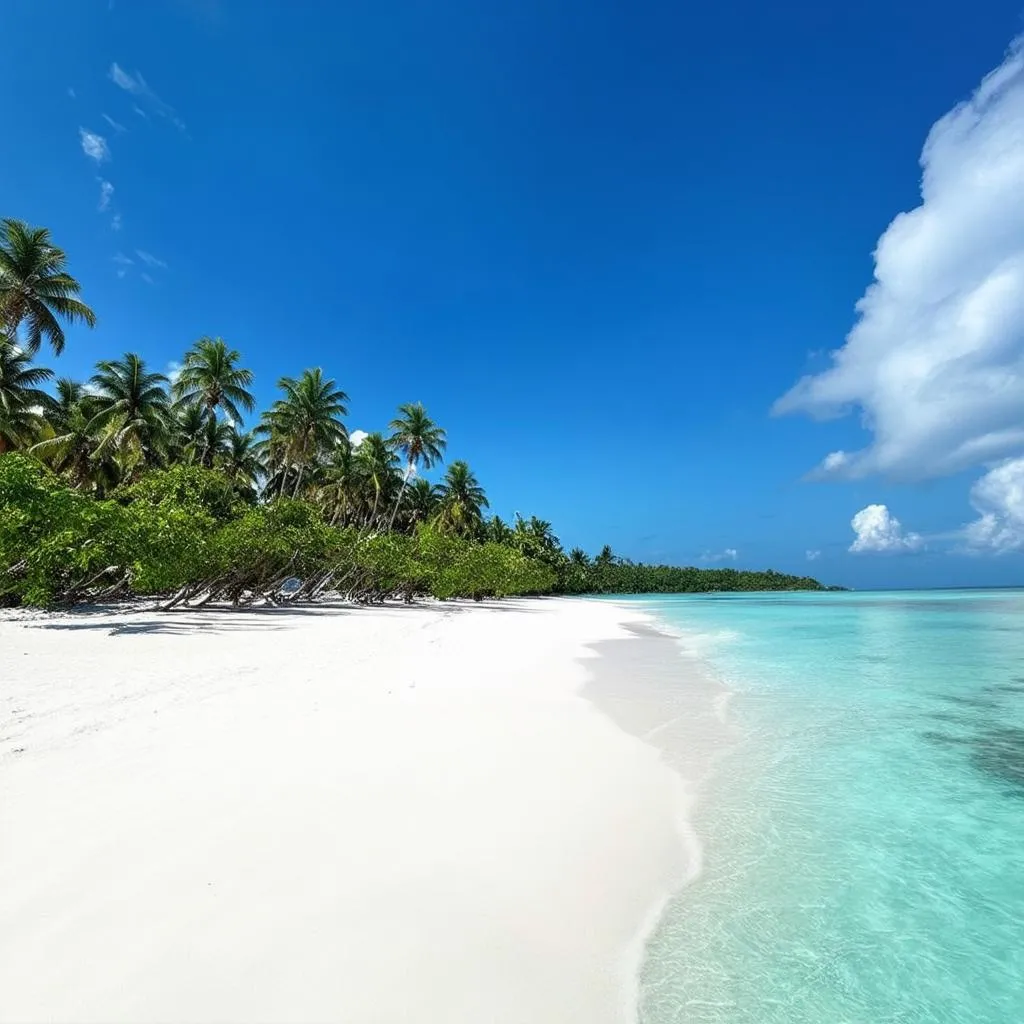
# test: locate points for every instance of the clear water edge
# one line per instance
(863, 819)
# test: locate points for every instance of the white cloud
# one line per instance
(813, 556)
(115, 222)
(149, 259)
(878, 530)
(138, 87)
(122, 272)
(728, 555)
(357, 437)
(145, 277)
(173, 371)
(106, 194)
(935, 361)
(998, 498)
(122, 260)
(138, 110)
(94, 146)
(117, 126)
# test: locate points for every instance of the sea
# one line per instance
(862, 821)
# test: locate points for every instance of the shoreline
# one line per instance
(481, 829)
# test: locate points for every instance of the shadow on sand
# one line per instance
(219, 619)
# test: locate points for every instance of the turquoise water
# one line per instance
(864, 829)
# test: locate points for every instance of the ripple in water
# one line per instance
(864, 841)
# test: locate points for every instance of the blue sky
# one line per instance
(598, 240)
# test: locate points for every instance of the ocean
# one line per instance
(862, 822)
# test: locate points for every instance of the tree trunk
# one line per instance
(398, 500)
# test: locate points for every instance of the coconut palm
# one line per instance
(72, 447)
(36, 292)
(303, 425)
(579, 558)
(379, 466)
(498, 531)
(214, 441)
(534, 537)
(22, 402)
(422, 500)
(132, 410)
(70, 395)
(339, 482)
(417, 437)
(211, 378)
(241, 463)
(462, 500)
(187, 432)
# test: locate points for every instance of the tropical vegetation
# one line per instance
(131, 483)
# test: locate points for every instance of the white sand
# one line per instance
(357, 816)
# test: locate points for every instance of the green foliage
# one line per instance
(284, 537)
(55, 541)
(609, 575)
(188, 487)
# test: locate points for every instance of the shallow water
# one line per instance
(863, 827)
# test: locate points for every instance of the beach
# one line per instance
(328, 814)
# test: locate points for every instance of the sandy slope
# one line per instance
(345, 815)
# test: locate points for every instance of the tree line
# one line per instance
(130, 482)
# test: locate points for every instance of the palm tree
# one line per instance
(187, 433)
(22, 403)
(132, 409)
(211, 379)
(535, 537)
(422, 500)
(419, 439)
(304, 424)
(214, 441)
(71, 448)
(498, 531)
(462, 500)
(340, 480)
(241, 463)
(36, 292)
(579, 558)
(379, 464)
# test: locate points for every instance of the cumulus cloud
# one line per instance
(998, 497)
(135, 84)
(106, 194)
(149, 259)
(173, 371)
(94, 146)
(728, 555)
(935, 361)
(878, 530)
(357, 437)
(813, 556)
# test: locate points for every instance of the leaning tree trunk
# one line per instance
(398, 500)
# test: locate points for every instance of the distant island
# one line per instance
(132, 483)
